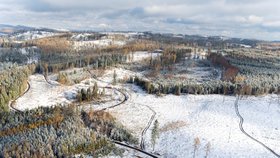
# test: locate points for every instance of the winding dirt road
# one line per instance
(11, 104)
(126, 96)
(244, 132)
(118, 104)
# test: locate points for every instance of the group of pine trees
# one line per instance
(104, 122)
(13, 83)
(60, 131)
(258, 71)
(209, 87)
(88, 94)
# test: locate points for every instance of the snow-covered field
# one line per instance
(211, 119)
(44, 94)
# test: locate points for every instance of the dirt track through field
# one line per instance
(142, 143)
(244, 132)
(126, 97)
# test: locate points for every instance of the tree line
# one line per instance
(209, 87)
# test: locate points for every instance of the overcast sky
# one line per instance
(235, 18)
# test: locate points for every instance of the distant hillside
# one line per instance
(205, 41)
(8, 29)
(22, 33)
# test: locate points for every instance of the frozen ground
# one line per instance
(43, 94)
(141, 55)
(121, 75)
(210, 118)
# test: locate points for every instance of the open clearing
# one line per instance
(211, 119)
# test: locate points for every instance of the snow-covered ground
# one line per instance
(42, 94)
(141, 55)
(81, 36)
(86, 40)
(211, 119)
(31, 35)
(79, 45)
(121, 74)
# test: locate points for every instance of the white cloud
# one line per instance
(272, 23)
(239, 18)
(104, 26)
(253, 19)
(167, 10)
